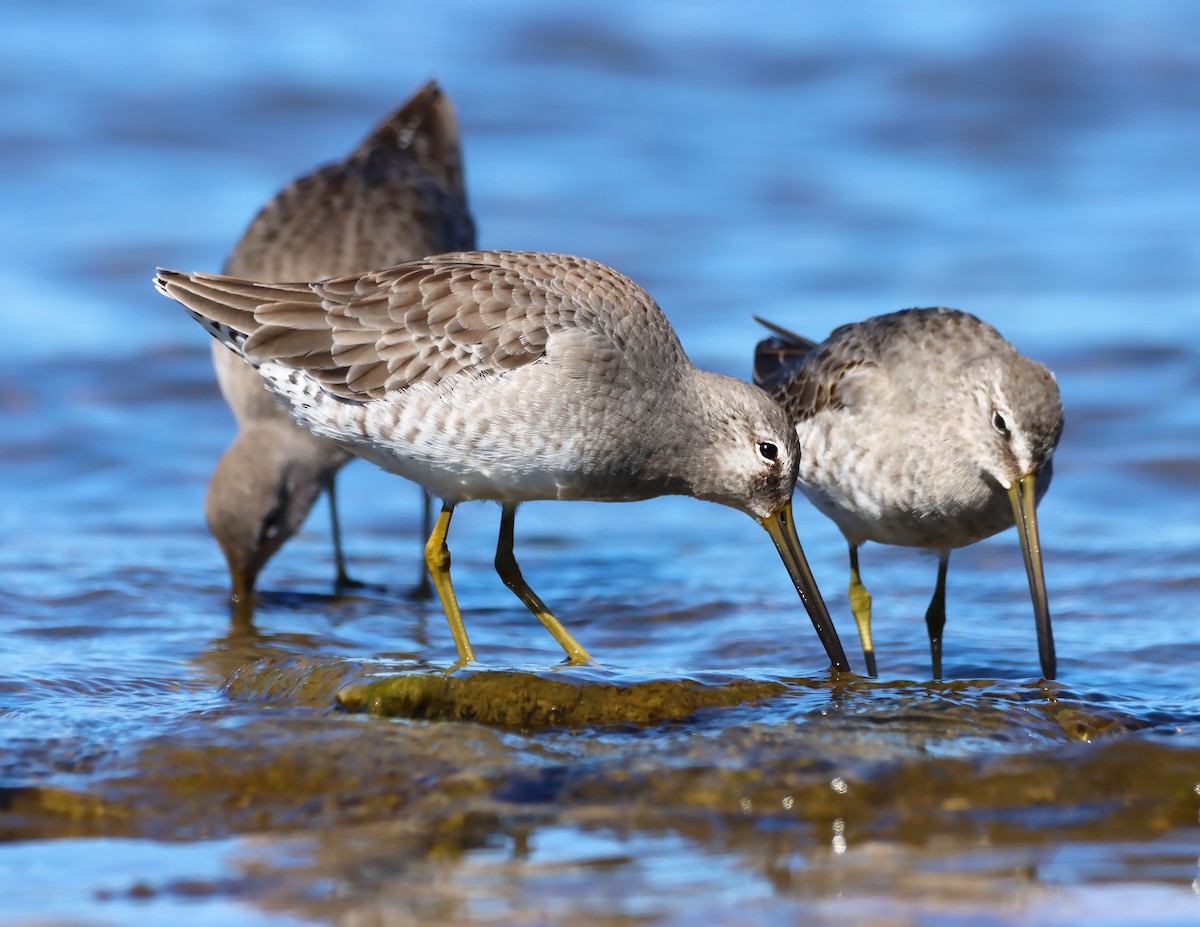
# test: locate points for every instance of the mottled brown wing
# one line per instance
(428, 321)
(481, 313)
(819, 382)
(399, 195)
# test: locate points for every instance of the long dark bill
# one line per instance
(782, 528)
(1023, 496)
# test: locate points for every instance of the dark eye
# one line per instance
(272, 524)
(999, 424)
(274, 521)
(768, 450)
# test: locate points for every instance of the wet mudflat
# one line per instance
(162, 762)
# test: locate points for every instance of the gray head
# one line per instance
(1017, 415)
(743, 452)
(258, 497)
(750, 452)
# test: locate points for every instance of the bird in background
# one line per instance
(399, 195)
(512, 377)
(921, 428)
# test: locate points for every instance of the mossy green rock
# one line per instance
(527, 701)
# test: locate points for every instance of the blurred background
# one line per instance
(811, 163)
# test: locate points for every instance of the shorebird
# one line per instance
(399, 195)
(512, 377)
(921, 428)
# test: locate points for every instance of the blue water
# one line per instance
(811, 164)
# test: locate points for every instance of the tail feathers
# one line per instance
(778, 359)
(230, 337)
(786, 335)
(225, 306)
(217, 319)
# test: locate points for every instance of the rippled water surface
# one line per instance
(161, 762)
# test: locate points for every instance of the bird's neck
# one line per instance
(675, 430)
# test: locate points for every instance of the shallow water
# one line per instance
(160, 762)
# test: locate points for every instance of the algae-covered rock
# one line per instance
(527, 701)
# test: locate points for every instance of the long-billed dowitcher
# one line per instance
(513, 377)
(922, 428)
(399, 195)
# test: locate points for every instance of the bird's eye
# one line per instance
(272, 524)
(768, 450)
(999, 424)
(274, 521)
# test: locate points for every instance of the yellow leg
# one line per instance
(437, 557)
(510, 572)
(860, 604)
